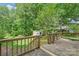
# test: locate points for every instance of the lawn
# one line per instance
(71, 37)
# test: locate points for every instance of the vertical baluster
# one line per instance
(38, 38)
(33, 42)
(17, 48)
(36, 42)
(28, 44)
(48, 39)
(21, 46)
(0, 48)
(6, 48)
(53, 38)
(12, 48)
(24, 45)
(77, 35)
(57, 36)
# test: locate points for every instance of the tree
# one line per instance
(7, 18)
(29, 17)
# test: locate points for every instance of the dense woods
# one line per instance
(42, 17)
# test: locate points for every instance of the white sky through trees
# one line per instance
(9, 5)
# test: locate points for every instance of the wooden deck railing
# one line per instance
(53, 37)
(18, 46)
(72, 36)
(71, 33)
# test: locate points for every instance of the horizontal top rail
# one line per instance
(14, 39)
(52, 33)
(71, 33)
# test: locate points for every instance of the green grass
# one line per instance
(44, 40)
(73, 38)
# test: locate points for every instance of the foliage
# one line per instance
(29, 17)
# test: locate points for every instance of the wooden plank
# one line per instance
(29, 38)
(21, 47)
(17, 48)
(38, 42)
(6, 48)
(27, 51)
(0, 49)
(45, 50)
(49, 39)
(15, 39)
(12, 48)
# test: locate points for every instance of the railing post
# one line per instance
(56, 36)
(61, 35)
(53, 38)
(48, 38)
(0, 49)
(38, 42)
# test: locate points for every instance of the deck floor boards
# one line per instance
(37, 52)
(63, 47)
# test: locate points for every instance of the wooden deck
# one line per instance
(30, 46)
(63, 47)
(37, 52)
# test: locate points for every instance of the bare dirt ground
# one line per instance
(63, 47)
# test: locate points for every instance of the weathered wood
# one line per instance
(49, 39)
(30, 46)
(38, 42)
(0, 49)
(71, 33)
(21, 47)
(12, 48)
(14, 39)
(53, 38)
(28, 51)
(6, 48)
(17, 48)
(25, 45)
